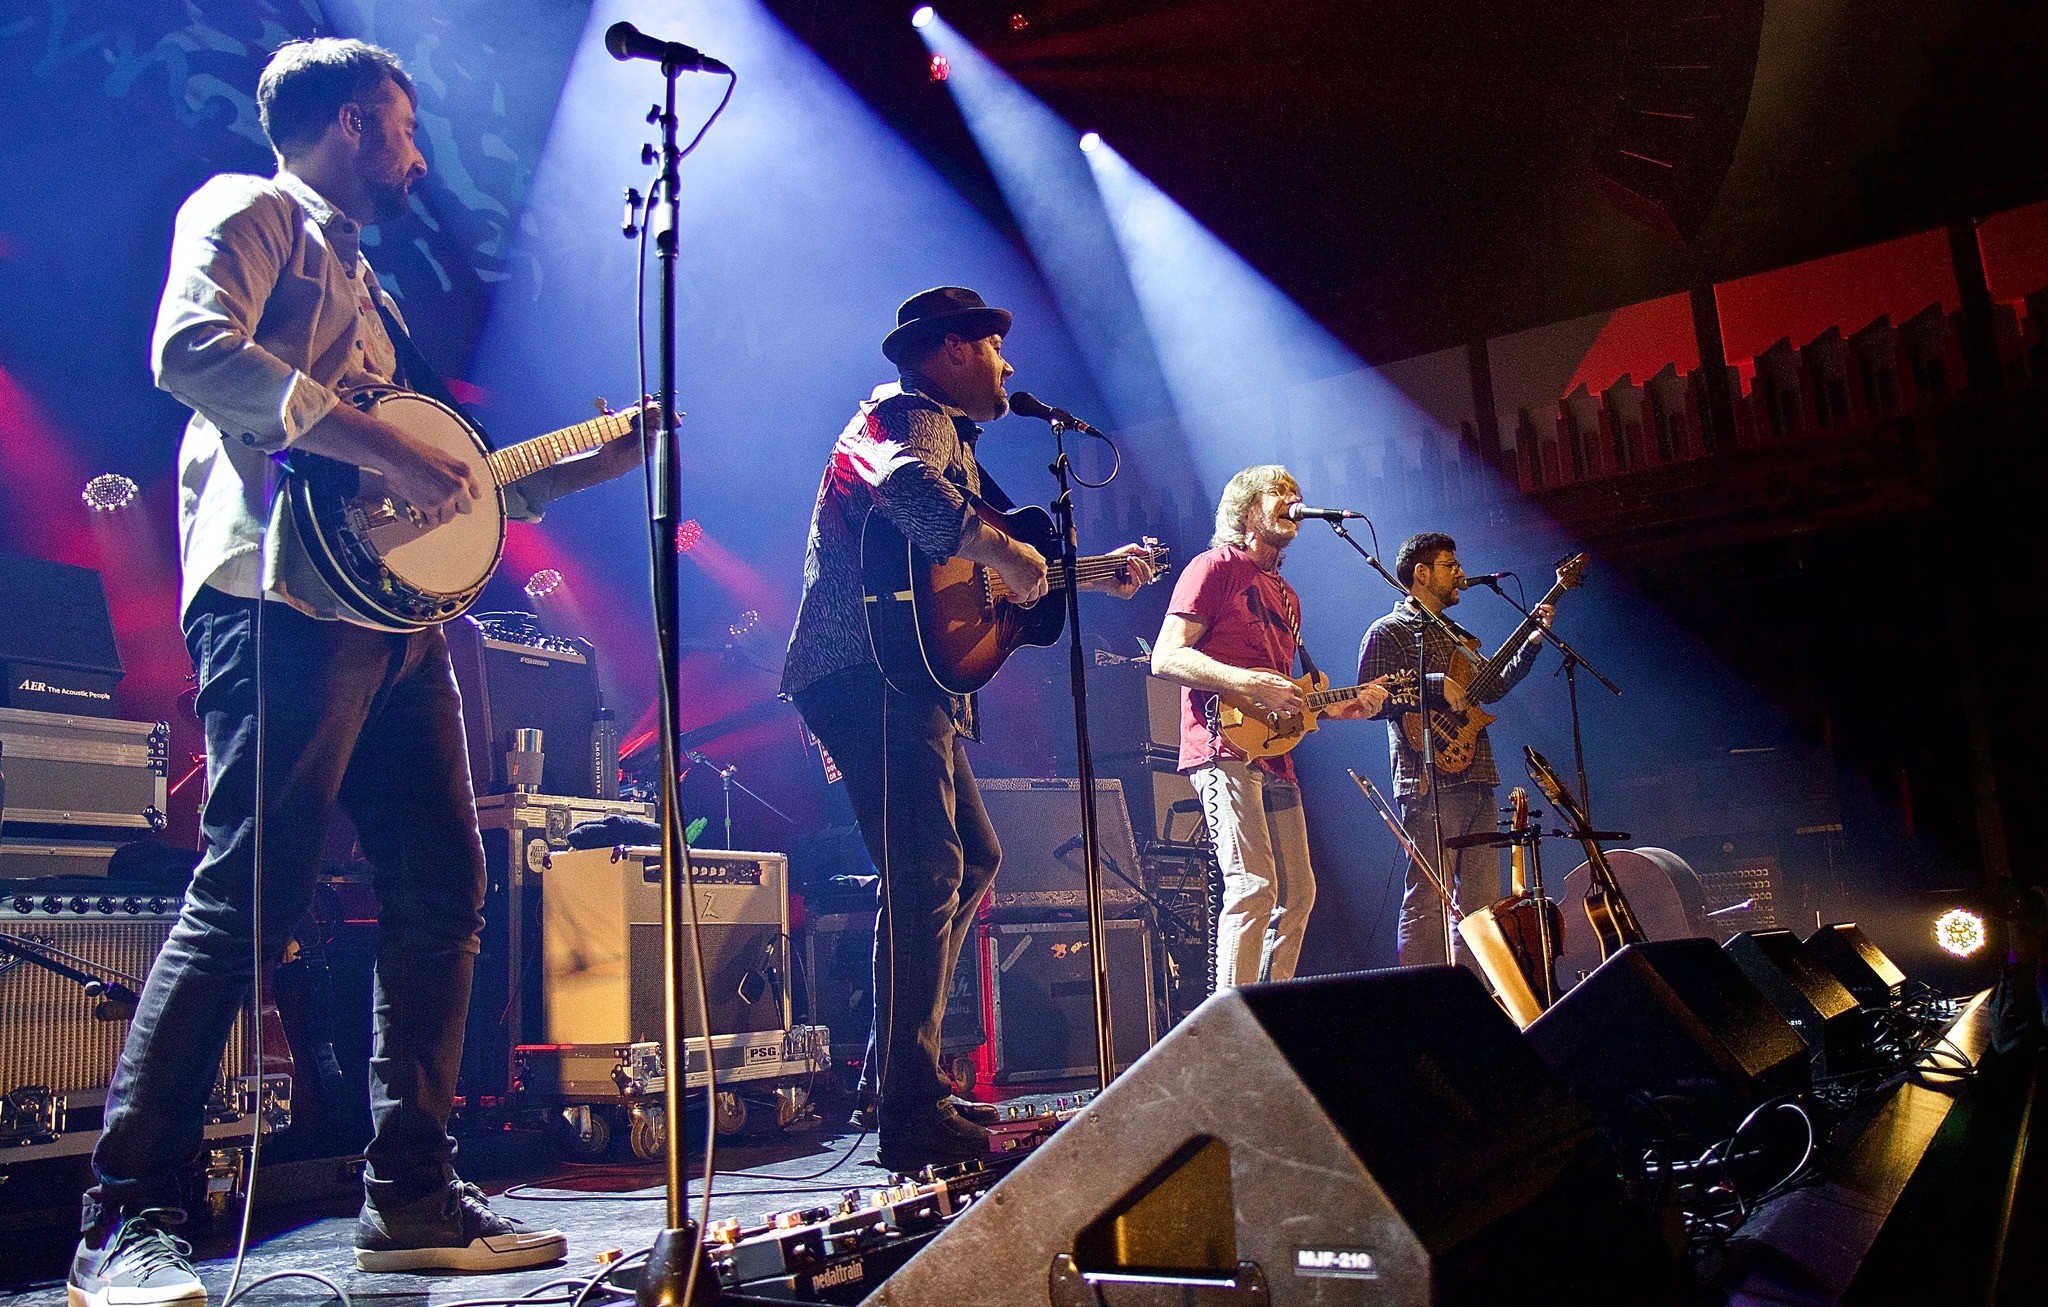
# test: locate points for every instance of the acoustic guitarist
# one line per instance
(1233, 630)
(269, 315)
(1428, 565)
(908, 453)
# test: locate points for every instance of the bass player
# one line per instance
(1233, 628)
(1428, 565)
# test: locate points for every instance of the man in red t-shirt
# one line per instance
(1233, 630)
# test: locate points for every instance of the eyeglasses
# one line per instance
(1446, 563)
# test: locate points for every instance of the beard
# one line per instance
(389, 201)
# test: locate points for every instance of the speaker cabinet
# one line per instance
(1045, 997)
(1861, 966)
(1807, 995)
(1039, 825)
(1385, 1137)
(514, 678)
(1677, 1019)
(839, 968)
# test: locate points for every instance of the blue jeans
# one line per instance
(367, 719)
(1472, 874)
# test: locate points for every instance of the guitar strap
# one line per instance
(420, 374)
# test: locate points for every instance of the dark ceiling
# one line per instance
(1419, 174)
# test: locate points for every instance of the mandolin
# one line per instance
(1258, 734)
(1607, 909)
(1456, 731)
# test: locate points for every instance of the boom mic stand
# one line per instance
(1436, 803)
(1573, 660)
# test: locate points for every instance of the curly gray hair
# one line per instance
(1238, 496)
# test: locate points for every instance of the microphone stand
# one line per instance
(1077, 677)
(114, 1000)
(725, 777)
(1573, 660)
(1436, 803)
(677, 1273)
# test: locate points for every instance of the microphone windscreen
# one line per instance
(618, 38)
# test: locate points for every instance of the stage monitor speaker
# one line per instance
(1825, 1014)
(1860, 965)
(1682, 93)
(1679, 1020)
(1039, 825)
(1385, 1137)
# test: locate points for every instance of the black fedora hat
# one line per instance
(939, 311)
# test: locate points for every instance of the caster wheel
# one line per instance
(580, 1132)
(730, 1116)
(648, 1137)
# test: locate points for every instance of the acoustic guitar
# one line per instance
(953, 624)
(1607, 909)
(1506, 938)
(1456, 731)
(1258, 734)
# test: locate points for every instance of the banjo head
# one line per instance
(454, 559)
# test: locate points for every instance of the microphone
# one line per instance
(1302, 512)
(626, 41)
(1490, 580)
(1027, 405)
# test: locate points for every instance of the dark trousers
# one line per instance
(921, 816)
(366, 719)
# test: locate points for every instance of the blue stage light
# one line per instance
(1090, 142)
(922, 16)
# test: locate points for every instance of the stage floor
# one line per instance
(601, 1206)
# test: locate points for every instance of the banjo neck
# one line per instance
(530, 456)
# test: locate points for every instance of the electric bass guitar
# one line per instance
(1607, 909)
(1456, 732)
(386, 564)
(953, 624)
(1256, 733)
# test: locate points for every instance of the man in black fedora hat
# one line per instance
(908, 453)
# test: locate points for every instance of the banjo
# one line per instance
(388, 567)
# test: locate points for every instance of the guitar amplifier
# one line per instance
(57, 651)
(839, 974)
(1039, 825)
(57, 1039)
(515, 677)
(601, 955)
(1044, 997)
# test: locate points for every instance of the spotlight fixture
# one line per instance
(922, 16)
(1090, 142)
(745, 624)
(687, 536)
(1019, 22)
(1960, 933)
(543, 583)
(942, 68)
(109, 492)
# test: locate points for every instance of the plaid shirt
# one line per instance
(1389, 646)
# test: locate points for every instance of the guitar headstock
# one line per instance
(1157, 554)
(1400, 688)
(1553, 789)
(1572, 571)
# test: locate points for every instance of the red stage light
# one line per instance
(942, 67)
(687, 536)
(543, 583)
(1019, 22)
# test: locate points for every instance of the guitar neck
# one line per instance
(1319, 699)
(530, 456)
(1098, 567)
(1492, 666)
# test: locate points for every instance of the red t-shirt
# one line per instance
(1250, 618)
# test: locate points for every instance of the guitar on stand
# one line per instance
(1517, 940)
(1455, 732)
(1607, 910)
